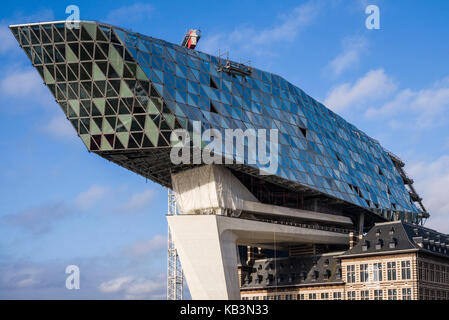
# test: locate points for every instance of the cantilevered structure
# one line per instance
(125, 93)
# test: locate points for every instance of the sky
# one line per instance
(61, 205)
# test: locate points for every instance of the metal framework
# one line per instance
(175, 277)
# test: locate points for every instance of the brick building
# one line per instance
(393, 261)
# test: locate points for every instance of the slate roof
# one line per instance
(391, 237)
(294, 271)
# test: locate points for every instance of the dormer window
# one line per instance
(338, 274)
(365, 245)
(379, 244)
(315, 275)
(391, 231)
(378, 233)
(326, 262)
(327, 274)
(269, 279)
(393, 243)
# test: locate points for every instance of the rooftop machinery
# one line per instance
(191, 38)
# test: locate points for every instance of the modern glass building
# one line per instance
(124, 94)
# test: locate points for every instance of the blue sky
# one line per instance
(61, 205)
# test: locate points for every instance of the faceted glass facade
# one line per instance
(124, 91)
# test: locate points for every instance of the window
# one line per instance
(377, 271)
(379, 244)
(365, 245)
(312, 296)
(300, 296)
(393, 243)
(351, 295)
(324, 296)
(337, 295)
(350, 274)
(437, 273)
(391, 270)
(407, 294)
(405, 270)
(364, 295)
(420, 271)
(392, 294)
(364, 273)
(426, 271)
(432, 272)
(378, 295)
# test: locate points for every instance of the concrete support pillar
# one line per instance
(207, 248)
(208, 256)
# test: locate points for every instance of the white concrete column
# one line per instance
(206, 245)
(208, 256)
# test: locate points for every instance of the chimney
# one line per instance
(352, 240)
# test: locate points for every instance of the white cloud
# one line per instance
(141, 288)
(88, 198)
(139, 200)
(427, 104)
(136, 11)
(115, 285)
(21, 83)
(258, 41)
(23, 88)
(374, 85)
(27, 282)
(432, 181)
(353, 47)
(59, 127)
(140, 249)
(134, 288)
